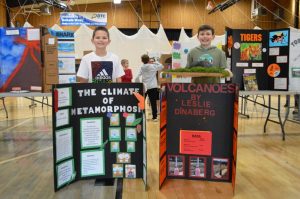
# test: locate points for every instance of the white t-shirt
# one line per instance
(112, 70)
(148, 73)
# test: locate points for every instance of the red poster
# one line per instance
(195, 142)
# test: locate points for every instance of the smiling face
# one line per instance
(125, 64)
(205, 37)
(101, 39)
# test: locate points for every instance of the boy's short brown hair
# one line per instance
(100, 28)
(145, 58)
(206, 27)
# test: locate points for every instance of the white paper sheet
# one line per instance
(281, 59)
(273, 51)
(62, 117)
(92, 163)
(64, 144)
(65, 172)
(280, 83)
(239, 64)
(33, 34)
(64, 97)
(51, 41)
(91, 132)
(250, 70)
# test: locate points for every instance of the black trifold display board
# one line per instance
(264, 53)
(198, 136)
(98, 132)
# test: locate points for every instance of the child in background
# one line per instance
(128, 73)
(107, 64)
(206, 55)
(148, 73)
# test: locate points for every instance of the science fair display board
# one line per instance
(98, 132)
(198, 132)
(20, 59)
(264, 53)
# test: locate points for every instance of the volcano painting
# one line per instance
(20, 58)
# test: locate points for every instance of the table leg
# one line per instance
(4, 107)
(280, 121)
(287, 112)
(268, 116)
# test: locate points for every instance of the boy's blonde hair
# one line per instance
(123, 61)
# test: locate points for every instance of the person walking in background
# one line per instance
(148, 73)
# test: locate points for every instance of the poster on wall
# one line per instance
(20, 55)
(79, 18)
(197, 142)
(99, 132)
(263, 53)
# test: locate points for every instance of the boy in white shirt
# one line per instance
(148, 72)
(100, 66)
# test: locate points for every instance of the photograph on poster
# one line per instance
(115, 119)
(251, 52)
(130, 119)
(123, 157)
(114, 147)
(130, 134)
(250, 82)
(130, 171)
(114, 134)
(296, 72)
(220, 168)
(197, 167)
(130, 146)
(176, 165)
(279, 38)
(117, 170)
(273, 70)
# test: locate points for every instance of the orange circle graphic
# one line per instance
(273, 70)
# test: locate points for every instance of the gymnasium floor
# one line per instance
(267, 167)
